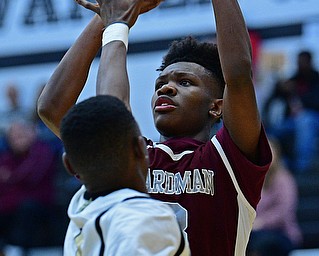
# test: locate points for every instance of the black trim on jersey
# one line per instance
(181, 246)
(137, 197)
(93, 196)
(98, 226)
(99, 229)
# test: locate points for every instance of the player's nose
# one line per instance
(167, 89)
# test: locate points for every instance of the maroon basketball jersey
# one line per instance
(193, 174)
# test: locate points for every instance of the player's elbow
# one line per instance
(46, 113)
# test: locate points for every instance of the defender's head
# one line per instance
(103, 144)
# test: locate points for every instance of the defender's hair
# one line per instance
(95, 133)
(191, 50)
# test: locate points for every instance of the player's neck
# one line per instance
(200, 137)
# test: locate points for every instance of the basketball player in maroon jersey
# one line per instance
(215, 181)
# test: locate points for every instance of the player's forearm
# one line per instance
(65, 85)
(233, 40)
(112, 74)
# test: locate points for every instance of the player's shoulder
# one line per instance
(142, 210)
(143, 203)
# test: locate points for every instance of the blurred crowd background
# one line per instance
(34, 187)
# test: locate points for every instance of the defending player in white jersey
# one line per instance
(112, 214)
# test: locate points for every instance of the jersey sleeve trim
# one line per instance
(246, 213)
(231, 173)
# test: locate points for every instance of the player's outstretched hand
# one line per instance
(90, 6)
(126, 11)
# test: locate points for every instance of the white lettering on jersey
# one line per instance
(196, 181)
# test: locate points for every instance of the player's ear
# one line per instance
(68, 166)
(140, 148)
(215, 110)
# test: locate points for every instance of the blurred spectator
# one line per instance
(26, 187)
(276, 231)
(292, 113)
(276, 114)
(14, 110)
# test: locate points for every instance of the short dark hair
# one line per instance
(189, 49)
(95, 133)
(306, 54)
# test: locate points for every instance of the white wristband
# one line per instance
(116, 32)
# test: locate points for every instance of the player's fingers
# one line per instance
(90, 6)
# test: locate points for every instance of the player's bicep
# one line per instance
(241, 118)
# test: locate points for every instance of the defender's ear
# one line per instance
(215, 110)
(140, 148)
(68, 166)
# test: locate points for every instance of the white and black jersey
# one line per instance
(124, 222)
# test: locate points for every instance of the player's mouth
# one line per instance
(164, 104)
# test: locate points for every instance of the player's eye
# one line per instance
(159, 85)
(185, 83)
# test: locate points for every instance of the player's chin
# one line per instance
(166, 127)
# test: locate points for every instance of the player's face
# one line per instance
(182, 100)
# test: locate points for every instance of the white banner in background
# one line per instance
(28, 26)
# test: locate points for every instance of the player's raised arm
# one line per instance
(118, 17)
(240, 113)
(69, 78)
